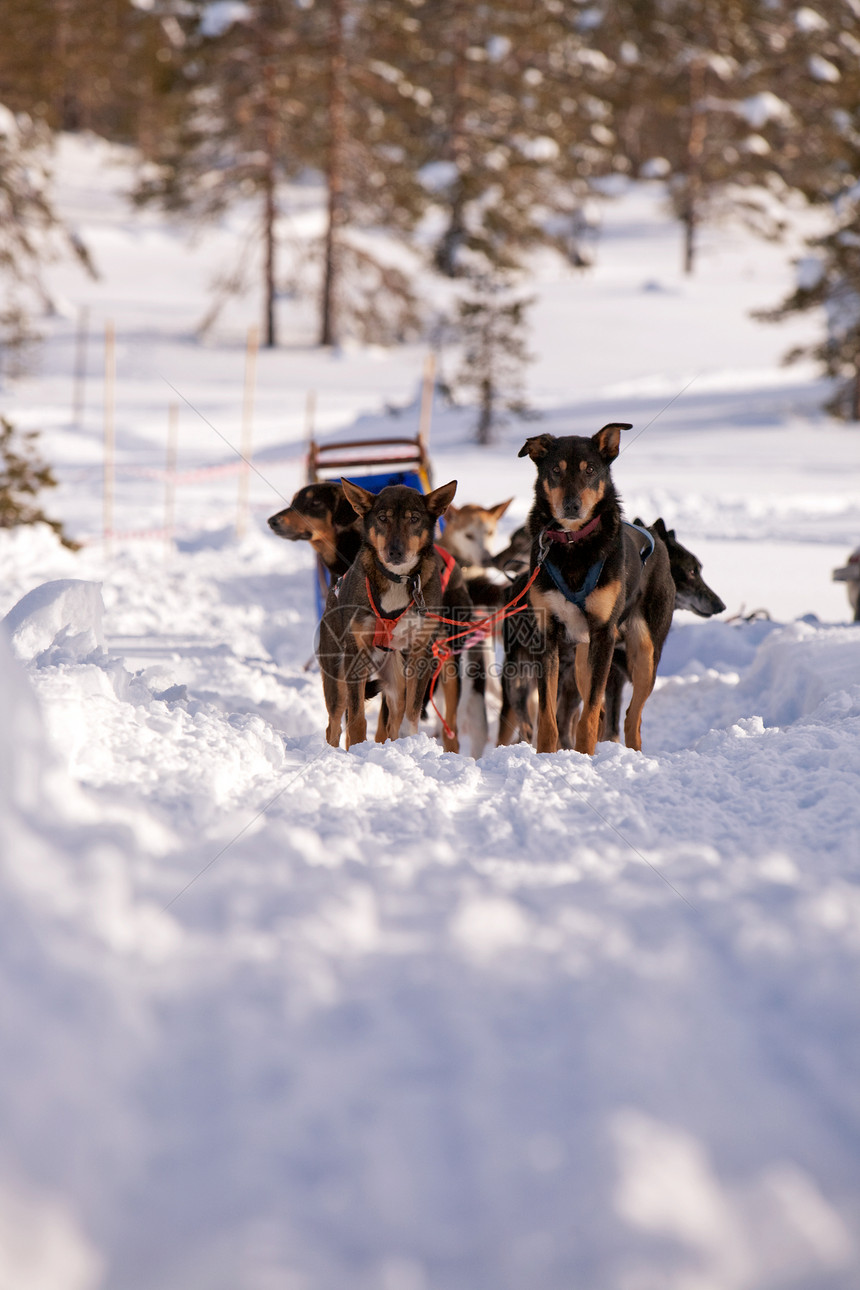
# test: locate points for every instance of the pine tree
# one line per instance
(362, 130)
(491, 325)
(693, 89)
(101, 65)
(23, 475)
(818, 77)
(230, 141)
(516, 130)
(31, 232)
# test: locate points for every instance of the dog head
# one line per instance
(691, 590)
(469, 528)
(317, 513)
(399, 522)
(573, 473)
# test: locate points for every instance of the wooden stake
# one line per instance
(427, 401)
(80, 381)
(110, 435)
(247, 431)
(310, 415)
(170, 477)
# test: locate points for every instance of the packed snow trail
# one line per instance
(399, 1018)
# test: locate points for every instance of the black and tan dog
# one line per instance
(320, 514)
(377, 619)
(691, 592)
(592, 587)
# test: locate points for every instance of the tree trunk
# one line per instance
(270, 150)
(269, 213)
(334, 174)
(447, 253)
(695, 150)
(485, 421)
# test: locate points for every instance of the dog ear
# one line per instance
(440, 499)
(498, 511)
(607, 439)
(344, 512)
(660, 528)
(452, 511)
(537, 447)
(359, 498)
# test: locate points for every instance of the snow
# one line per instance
(277, 1014)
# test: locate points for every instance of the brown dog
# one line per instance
(376, 619)
(320, 514)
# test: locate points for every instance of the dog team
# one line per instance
(583, 600)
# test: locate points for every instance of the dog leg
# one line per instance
(395, 693)
(612, 709)
(475, 706)
(640, 653)
(356, 722)
(450, 678)
(592, 668)
(335, 698)
(568, 703)
(547, 733)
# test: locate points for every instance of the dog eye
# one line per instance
(589, 470)
(382, 517)
(415, 518)
(556, 470)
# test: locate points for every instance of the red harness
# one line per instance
(384, 630)
(448, 563)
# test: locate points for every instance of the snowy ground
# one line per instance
(279, 1017)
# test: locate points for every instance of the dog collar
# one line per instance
(392, 577)
(575, 535)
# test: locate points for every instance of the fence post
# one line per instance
(247, 431)
(427, 401)
(170, 477)
(109, 436)
(80, 378)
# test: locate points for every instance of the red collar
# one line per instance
(576, 535)
(384, 630)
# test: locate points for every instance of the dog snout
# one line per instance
(273, 521)
(396, 553)
(572, 507)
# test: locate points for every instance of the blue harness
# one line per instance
(592, 578)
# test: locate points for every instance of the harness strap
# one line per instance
(448, 563)
(645, 551)
(385, 626)
(579, 596)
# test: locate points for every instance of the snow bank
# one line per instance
(58, 622)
